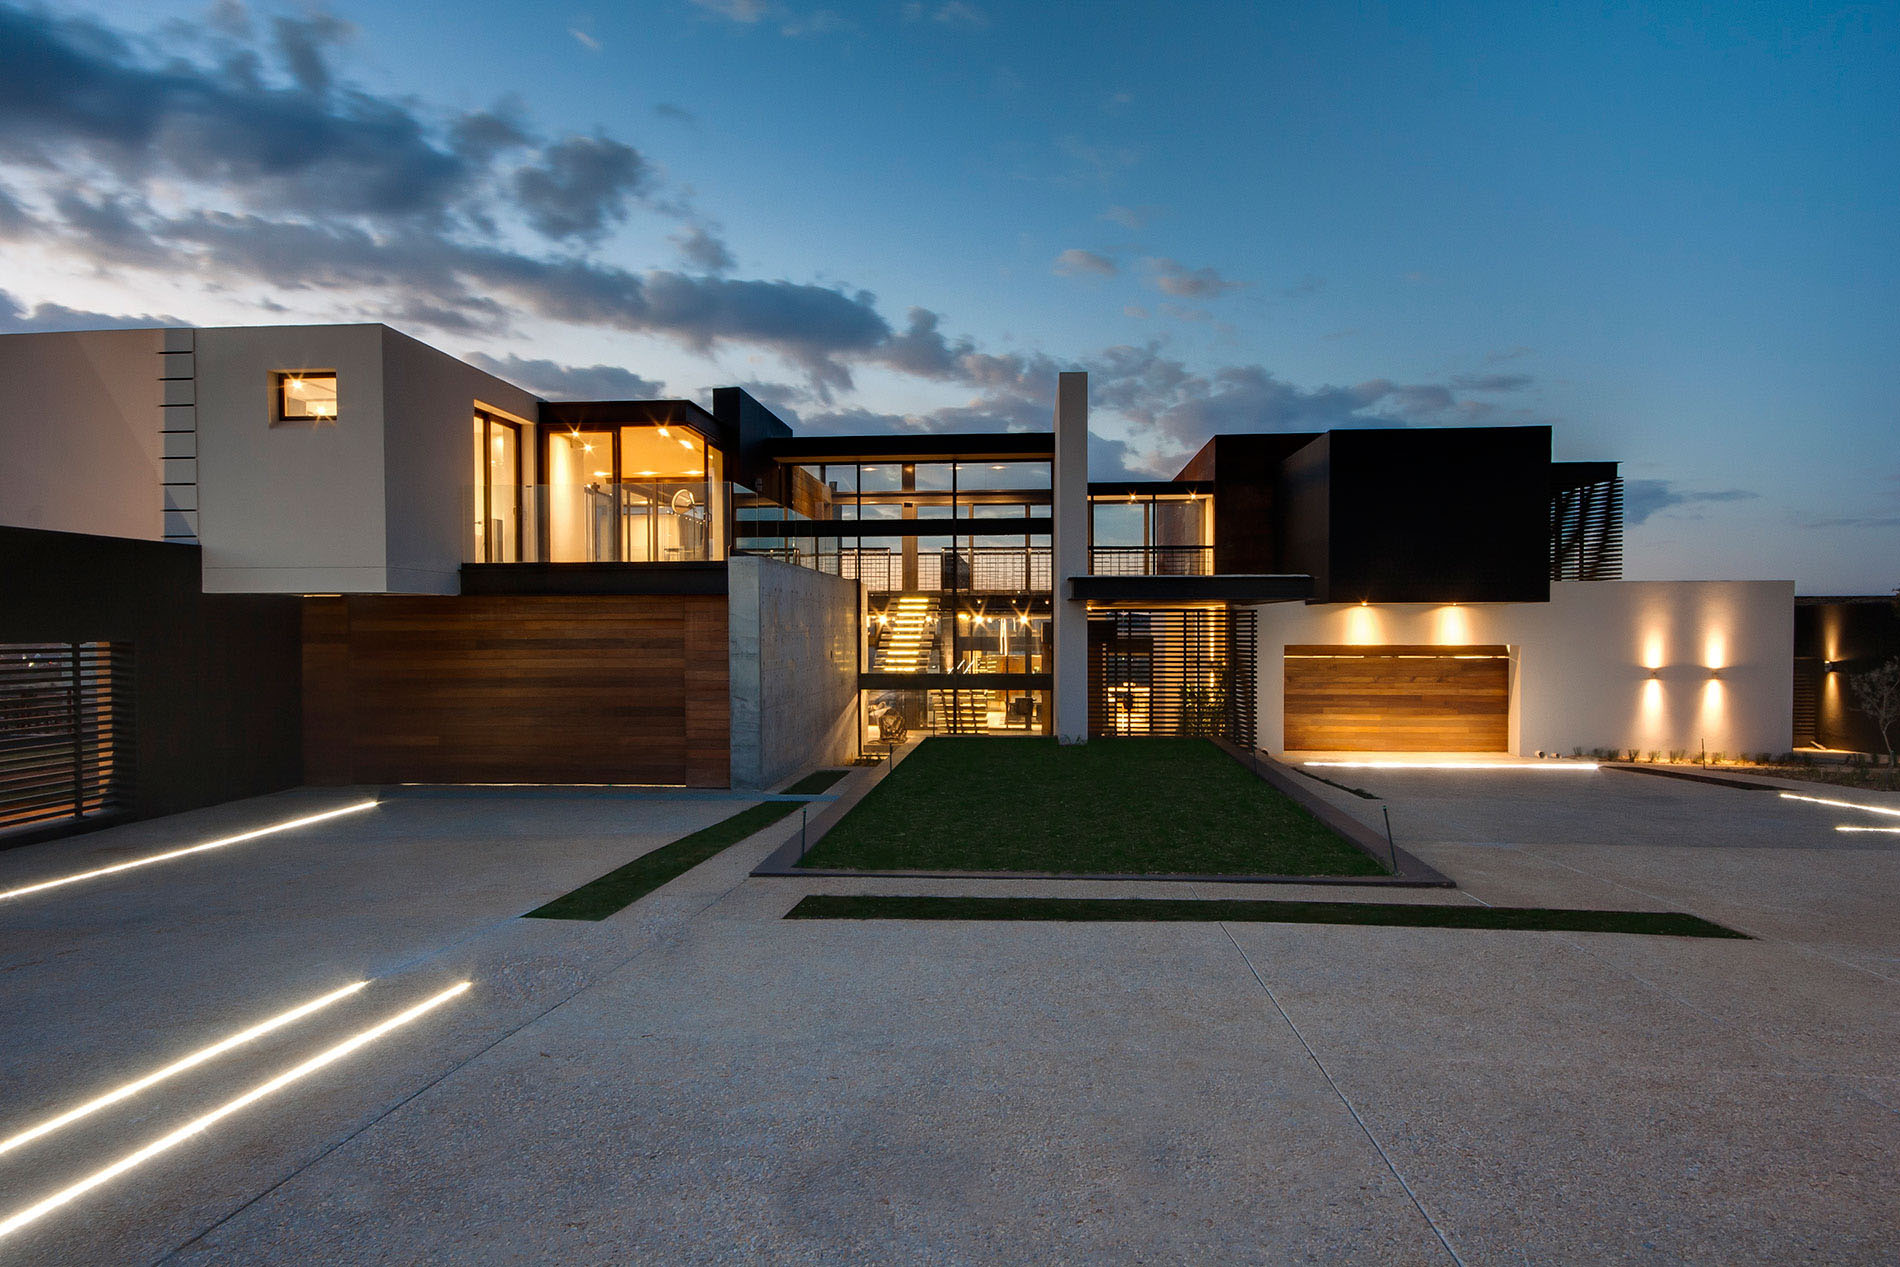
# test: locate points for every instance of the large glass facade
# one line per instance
(1151, 530)
(964, 610)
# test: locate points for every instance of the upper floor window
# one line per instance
(306, 395)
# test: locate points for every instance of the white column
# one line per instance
(1070, 554)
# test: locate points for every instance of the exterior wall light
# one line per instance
(1833, 666)
(1715, 675)
(1655, 673)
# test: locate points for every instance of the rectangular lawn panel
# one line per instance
(1182, 910)
(623, 886)
(1108, 807)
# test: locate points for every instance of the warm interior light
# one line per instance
(1818, 800)
(199, 1125)
(178, 1066)
(665, 434)
(179, 853)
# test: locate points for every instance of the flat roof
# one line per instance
(954, 446)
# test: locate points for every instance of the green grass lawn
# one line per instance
(1111, 806)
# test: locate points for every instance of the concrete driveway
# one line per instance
(699, 1080)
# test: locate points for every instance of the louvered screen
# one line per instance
(1173, 673)
(65, 730)
(1586, 532)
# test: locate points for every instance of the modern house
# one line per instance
(244, 558)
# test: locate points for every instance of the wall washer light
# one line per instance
(196, 1058)
(238, 839)
(199, 1125)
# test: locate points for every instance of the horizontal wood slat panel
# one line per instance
(516, 688)
(1409, 699)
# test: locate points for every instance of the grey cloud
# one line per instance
(679, 114)
(580, 187)
(1075, 262)
(1644, 499)
(1492, 382)
(1306, 286)
(302, 43)
(482, 134)
(950, 13)
(70, 87)
(569, 382)
(699, 245)
(17, 318)
(1171, 277)
(1130, 217)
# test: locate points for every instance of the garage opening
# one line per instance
(1398, 699)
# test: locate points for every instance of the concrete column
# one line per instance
(1070, 554)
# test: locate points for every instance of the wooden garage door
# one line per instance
(1398, 699)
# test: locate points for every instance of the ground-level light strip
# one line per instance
(1573, 766)
(1891, 831)
(1819, 800)
(179, 1066)
(167, 856)
(199, 1125)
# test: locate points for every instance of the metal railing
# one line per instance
(979, 569)
(1151, 560)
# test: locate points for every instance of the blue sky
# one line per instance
(1667, 231)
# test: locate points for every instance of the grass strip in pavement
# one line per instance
(814, 783)
(623, 886)
(1181, 910)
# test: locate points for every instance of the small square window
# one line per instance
(306, 396)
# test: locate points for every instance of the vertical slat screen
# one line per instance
(1183, 672)
(65, 730)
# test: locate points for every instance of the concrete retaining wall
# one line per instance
(793, 644)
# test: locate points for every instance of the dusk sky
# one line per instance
(1671, 232)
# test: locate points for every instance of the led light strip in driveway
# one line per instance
(239, 839)
(199, 1125)
(1894, 831)
(1865, 809)
(195, 1059)
(1585, 766)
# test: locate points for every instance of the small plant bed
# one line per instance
(1171, 910)
(623, 886)
(1857, 771)
(1109, 807)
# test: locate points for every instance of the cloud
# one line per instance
(1130, 217)
(585, 40)
(1644, 499)
(678, 114)
(951, 13)
(1171, 277)
(1136, 311)
(790, 22)
(1075, 263)
(700, 246)
(569, 382)
(1307, 285)
(17, 318)
(1507, 354)
(1492, 382)
(580, 187)
(73, 92)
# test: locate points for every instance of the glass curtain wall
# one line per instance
(1150, 532)
(634, 494)
(496, 492)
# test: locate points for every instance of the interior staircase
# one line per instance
(909, 638)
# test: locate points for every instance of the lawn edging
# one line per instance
(1411, 869)
(846, 793)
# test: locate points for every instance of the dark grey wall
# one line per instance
(217, 678)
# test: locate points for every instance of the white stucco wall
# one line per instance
(80, 448)
(372, 503)
(1581, 664)
(429, 399)
(296, 508)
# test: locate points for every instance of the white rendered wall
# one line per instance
(80, 449)
(371, 503)
(1722, 655)
(429, 400)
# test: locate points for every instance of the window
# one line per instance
(306, 395)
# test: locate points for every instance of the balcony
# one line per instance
(1151, 560)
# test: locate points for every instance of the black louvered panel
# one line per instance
(1586, 532)
(65, 730)
(1179, 672)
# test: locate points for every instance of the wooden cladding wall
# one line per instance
(1398, 699)
(516, 689)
